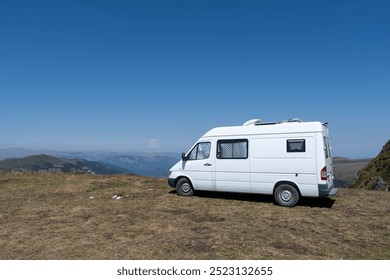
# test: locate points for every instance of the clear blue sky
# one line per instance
(156, 75)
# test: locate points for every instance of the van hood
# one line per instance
(177, 167)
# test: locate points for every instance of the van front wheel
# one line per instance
(286, 195)
(184, 188)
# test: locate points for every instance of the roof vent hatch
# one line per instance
(252, 122)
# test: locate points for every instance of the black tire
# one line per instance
(286, 195)
(184, 187)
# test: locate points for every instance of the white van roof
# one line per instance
(254, 127)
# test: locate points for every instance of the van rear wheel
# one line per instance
(184, 188)
(286, 195)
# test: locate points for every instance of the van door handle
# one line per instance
(207, 164)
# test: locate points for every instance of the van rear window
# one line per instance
(327, 147)
(296, 146)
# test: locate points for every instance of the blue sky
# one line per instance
(156, 75)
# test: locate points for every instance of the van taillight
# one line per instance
(324, 174)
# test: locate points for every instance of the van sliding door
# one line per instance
(232, 165)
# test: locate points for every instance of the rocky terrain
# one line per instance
(345, 170)
(376, 175)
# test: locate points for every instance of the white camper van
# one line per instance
(289, 160)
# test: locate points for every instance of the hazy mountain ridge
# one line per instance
(155, 165)
(47, 163)
(147, 164)
(22, 152)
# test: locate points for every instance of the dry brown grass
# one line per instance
(52, 216)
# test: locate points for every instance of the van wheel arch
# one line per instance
(286, 193)
(182, 177)
(288, 183)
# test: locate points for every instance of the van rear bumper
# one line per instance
(324, 190)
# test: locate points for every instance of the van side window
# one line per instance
(232, 149)
(296, 146)
(200, 151)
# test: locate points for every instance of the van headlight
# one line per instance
(169, 174)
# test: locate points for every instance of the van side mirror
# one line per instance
(183, 157)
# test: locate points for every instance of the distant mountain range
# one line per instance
(46, 163)
(22, 152)
(146, 164)
(155, 164)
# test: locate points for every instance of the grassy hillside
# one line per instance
(69, 216)
(376, 175)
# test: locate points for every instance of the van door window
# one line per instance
(232, 149)
(200, 151)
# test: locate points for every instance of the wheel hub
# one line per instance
(185, 188)
(286, 195)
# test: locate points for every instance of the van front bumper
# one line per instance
(323, 190)
(171, 182)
